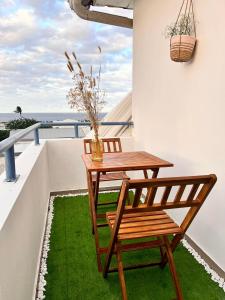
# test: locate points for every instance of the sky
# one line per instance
(33, 37)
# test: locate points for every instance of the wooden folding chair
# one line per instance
(110, 145)
(146, 218)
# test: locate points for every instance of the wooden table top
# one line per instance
(125, 161)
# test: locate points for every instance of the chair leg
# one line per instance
(172, 268)
(93, 187)
(121, 273)
(108, 258)
(161, 251)
(173, 244)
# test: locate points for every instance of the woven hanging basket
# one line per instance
(183, 39)
(182, 47)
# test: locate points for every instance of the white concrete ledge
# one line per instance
(9, 191)
(23, 211)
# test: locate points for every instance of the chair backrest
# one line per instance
(109, 145)
(175, 192)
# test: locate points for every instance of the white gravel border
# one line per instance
(43, 263)
(40, 295)
(46, 247)
(214, 276)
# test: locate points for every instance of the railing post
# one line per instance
(10, 168)
(36, 136)
(76, 130)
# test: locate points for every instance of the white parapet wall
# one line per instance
(178, 108)
(66, 166)
(54, 165)
(23, 208)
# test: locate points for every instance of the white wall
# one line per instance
(65, 163)
(67, 170)
(55, 165)
(178, 108)
(23, 208)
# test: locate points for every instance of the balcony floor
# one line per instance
(72, 269)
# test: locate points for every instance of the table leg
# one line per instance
(155, 172)
(154, 175)
(94, 219)
(90, 194)
(145, 174)
(96, 190)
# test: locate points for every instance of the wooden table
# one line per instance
(120, 161)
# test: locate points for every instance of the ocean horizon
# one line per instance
(46, 117)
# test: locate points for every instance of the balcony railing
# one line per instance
(7, 146)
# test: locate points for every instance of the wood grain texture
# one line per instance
(108, 170)
(111, 176)
(149, 220)
(125, 161)
(148, 225)
(109, 145)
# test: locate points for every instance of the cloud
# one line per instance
(34, 35)
(17, 28)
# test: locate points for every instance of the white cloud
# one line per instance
(16, 28)
(33, 66)
(7, 4)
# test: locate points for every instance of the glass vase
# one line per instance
(97, 149)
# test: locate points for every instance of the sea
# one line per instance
(46, 117)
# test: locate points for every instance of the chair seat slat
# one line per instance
(130, 236)
(137, 223)
(147, 228)
(140, 226)
(139, 219)
(148, 213)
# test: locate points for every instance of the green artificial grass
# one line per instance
(72, 268)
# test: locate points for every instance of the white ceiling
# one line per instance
(115, 3)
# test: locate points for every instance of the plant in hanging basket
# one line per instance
(182, 34)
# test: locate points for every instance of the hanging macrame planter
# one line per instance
(183, 34)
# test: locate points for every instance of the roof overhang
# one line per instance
(129, 4)
(81, 8)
